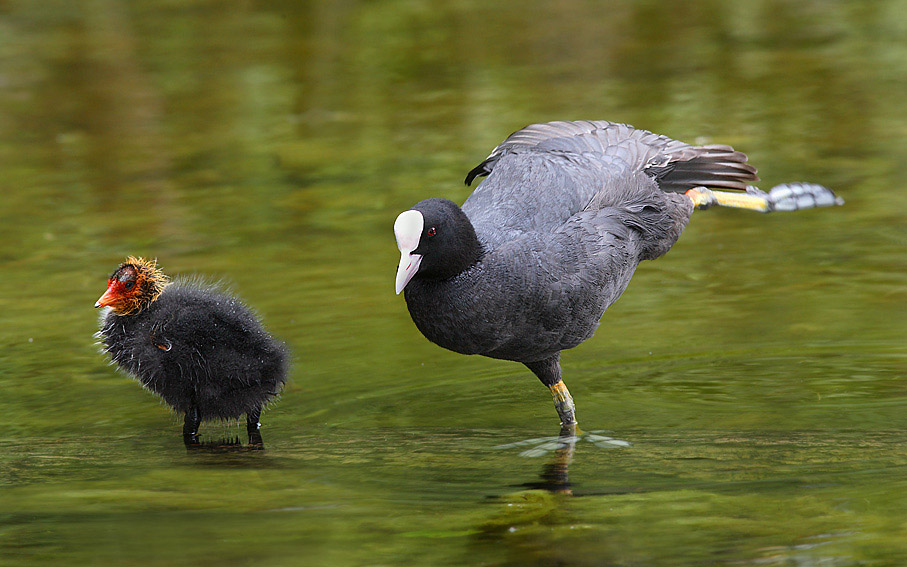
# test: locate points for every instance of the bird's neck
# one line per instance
(148, 294)
(457, 259)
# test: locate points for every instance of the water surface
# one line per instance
(758, 369)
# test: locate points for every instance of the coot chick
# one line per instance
(202, 351)
(543, 246)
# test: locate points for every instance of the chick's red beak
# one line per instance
(109, 297)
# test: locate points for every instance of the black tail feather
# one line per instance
(706, 166)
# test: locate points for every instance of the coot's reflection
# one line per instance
(535, 524)
(555, 475)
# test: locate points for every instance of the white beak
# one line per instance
(409, 265)
(408, 230)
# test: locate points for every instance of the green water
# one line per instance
(758, 369)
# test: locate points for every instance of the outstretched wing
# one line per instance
(675, 166)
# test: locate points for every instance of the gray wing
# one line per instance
(535, 191)
(675, 166)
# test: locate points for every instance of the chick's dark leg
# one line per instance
(190, 425)
(253, 426)
(549, 372)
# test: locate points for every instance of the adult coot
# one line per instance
(203, 352)
(528, 265)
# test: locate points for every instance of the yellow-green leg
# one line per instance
(785, 197)
(704, 198)
(563, 403)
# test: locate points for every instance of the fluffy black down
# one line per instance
(196, 346)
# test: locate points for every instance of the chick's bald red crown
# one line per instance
(133, 286)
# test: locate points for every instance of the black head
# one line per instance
(436, 241)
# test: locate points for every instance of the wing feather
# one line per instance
(676, 166)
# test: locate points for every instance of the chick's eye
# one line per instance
(431, 232)
(129, 285)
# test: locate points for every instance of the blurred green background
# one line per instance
(758, 369)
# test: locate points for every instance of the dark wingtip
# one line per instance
(481, 169)
(476, 171)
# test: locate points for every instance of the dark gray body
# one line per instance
(567, 212)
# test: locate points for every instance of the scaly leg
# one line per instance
(784, 197)
(253, 427)
(563, 403)
(190, 426)
(549, 372)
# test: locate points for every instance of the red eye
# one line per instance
(431, 232)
